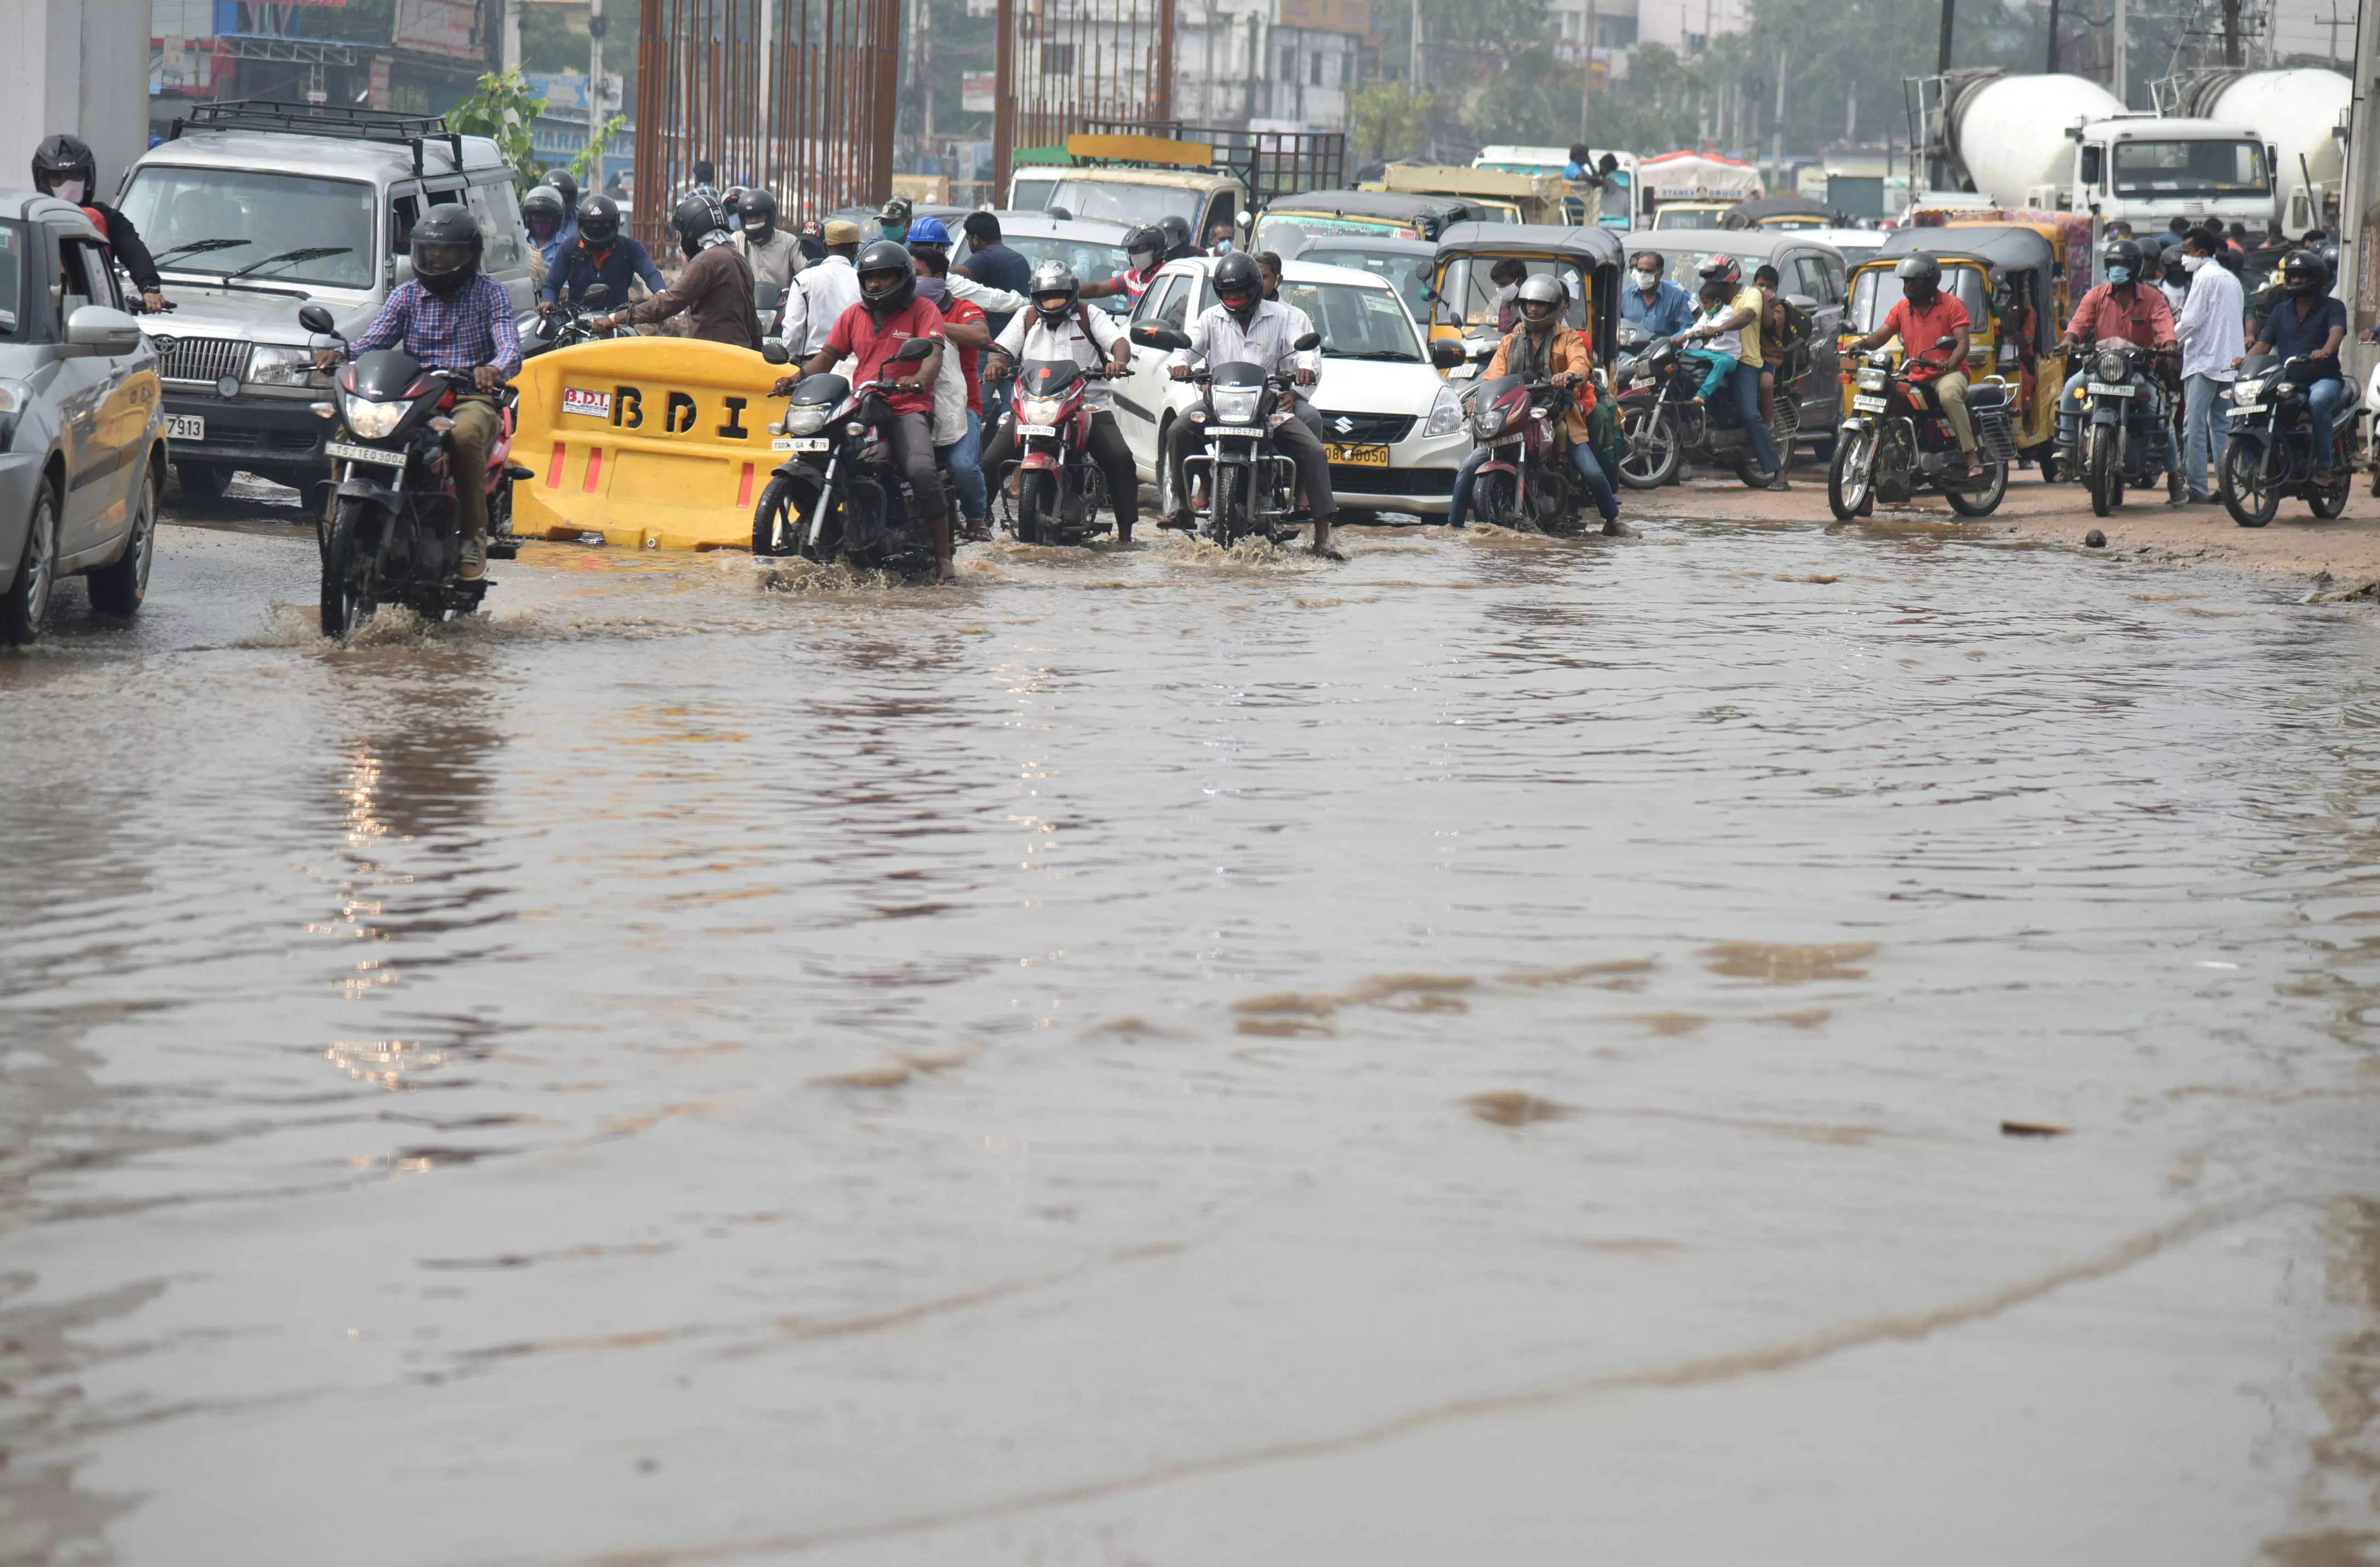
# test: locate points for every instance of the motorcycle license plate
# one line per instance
(1360, 456)
(2101, 388)
(364, 454)
(185, 427)
(799, 443)
(1868, 404)
(1037, 429)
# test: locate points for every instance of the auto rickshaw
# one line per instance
(2010, 278)
(1464, 302)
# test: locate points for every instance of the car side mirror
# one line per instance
(913, 350)
(597, 295)
(316, 320)
(1061, 214)
(1308, 342)
(1160, 337)
(776, 353)
(103, 329)
(1445, 353)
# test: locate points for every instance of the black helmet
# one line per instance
(1541, 288)
(1920, 269)
(2125, 253)
(1236, 273)
(1147, 240)
(1177, 238)
(446, 246)
(698, 217)
(888, 277)
(2303, 275)
(566, 183)
(759, 211)
(599, 220)
(733, 201)
(63, 157)
(543, 204)
(1054, 290)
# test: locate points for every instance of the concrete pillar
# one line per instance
(78, 66)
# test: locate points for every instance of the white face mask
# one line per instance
(2191, 263)
(68, 191)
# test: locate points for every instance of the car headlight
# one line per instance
(1872, 379)
(2246, 391)
(809, 421)
(374, 422)
(2109, 368)
(1236, 405)
(271, 365)
(1041, 410)
(1445, 415)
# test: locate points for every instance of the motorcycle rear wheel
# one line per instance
(1851, 477)
(1653, 448)
(1984, 502)
(349, 594)
(2099, 472)
(2331, 500)
(2252, 501)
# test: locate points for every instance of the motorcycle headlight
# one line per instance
(271, 365)
(1041, 410)
(2246, 391)
(1445, 415)
(1872, 379)
(809, 421)
(1486, 422)
(2109, 368)
(374, 422)
(1236, 405)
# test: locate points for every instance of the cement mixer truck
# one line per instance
(2301, 115)
(2061, 142)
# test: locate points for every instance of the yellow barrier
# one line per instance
(653, 441)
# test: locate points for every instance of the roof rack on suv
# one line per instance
(324, 119)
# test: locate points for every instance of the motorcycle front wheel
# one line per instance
(1491, 499)
(1227, 517)
(1037, 502)
(349, 594)
(1653, 448)
(1985, 501)
(789, 497)
(1851, 478)
(2099, 470)
(2248, 495)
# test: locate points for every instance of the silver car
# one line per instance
(82, 446)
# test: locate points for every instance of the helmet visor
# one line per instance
(439, 260)
(884, 280)
(1236, 296)
(1050, 304)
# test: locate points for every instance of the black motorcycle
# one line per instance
(2123, 435)
(1251, 483)
(1663, 426)
(393, 534)
(563, 324)
(839, 495)
(1898, 442)
(2270, 453)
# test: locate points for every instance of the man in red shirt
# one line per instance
(2116, 310)
(889, 314)
(1924, 316)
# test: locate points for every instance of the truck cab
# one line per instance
(1131, 194)
(2146, 168)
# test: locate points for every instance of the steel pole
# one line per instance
(1162, 98)
(2050, 66)
(1003, 101)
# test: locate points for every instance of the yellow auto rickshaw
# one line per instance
(1467, 306)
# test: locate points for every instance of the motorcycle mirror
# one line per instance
(316, 319)
(1308, 342)
(776, 352)
(915, 350)
(1160, 337)
(597, 295)
(1445, 353)
(1945, 341)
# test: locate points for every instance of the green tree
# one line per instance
(1385, 120)
(501, 108)
(587, 167)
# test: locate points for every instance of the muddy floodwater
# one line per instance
(1738, 1045)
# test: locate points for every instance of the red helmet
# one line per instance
(1722, 269)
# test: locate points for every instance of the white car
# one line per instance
(1392, 426)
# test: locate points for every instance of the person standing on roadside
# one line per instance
(2212, 345)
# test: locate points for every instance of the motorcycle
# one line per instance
(564, 327)
(1896, 443)
(2123, 434)
(838, 495)
(391, 533)
(2270, 453)
(1251, 487)
(1663, 425)
(1527, 481)
(1061, 492)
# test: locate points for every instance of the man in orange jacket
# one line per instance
(1542, 349)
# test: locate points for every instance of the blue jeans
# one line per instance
(1745, 384)
(2321, 401)
(2205, 426)
(965, 458)
(1582, 457)
(1721, 367)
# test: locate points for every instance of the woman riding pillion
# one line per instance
(1060, 326)
(1543, 348)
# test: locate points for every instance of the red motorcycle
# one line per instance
(1061, 491)
(1527, 481)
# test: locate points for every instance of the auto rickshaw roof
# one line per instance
(1590, 247)
(1765, 209)
(2002, 247)
(1754, 244)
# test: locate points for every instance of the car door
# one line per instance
(82, 387)
(1815, 280)
(1140, 396)
(127, 386)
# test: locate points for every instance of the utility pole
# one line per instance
(511, 34)
(595, 25)
(1003, 101)
(2051, 66)
(1586, 80)
(2122, 64)
(2230, 31)
(1777, 131)
(1413, 39)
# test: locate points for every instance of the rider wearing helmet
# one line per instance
(1544, 347)
(959, 391)
(775, 255)
(889, 314)
(543, 214)
(1729, 320)
(601, 254)
(1058, 327)
(566, 185)
(451, 315)
(1244, 326)
(2309, 324)
(1924, 315)
(64, 167)
(2118, 310)
(715, 287)
(1143, 249)
(1178, 243)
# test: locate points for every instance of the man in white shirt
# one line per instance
(1061, 327)
(822, 293)
(1243, 326)
(2212, 345)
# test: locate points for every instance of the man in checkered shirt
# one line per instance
(452, 316)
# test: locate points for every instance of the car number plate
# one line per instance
(1359, 456)
(2101, 388)
(799, 443)
(1037, 429)
(364, 454)
(1869, 405)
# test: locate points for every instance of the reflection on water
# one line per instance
(719, 1062)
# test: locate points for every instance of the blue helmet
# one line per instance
(929, 231)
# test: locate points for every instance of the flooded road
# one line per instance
(1728, 1045)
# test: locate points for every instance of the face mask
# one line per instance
(931, 288)
(1143, 259)
(896, 231)
(68, 191)
(1648, 281)
(2191, 263)
(2119, 276)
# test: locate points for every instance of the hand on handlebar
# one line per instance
(486, 378)
(153, 302)
(1179, 372)
(1303, 376)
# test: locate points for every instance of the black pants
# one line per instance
(1107, 449)
(1297, 442)
(911, 436)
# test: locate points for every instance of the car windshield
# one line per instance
(269, 227)
(1470, 297)
(1118, 202)
(2190, 168)
(1403, 271)
(1286, 232)
(1685, 217)
(1091, 260)
(1357, 322)
(12, 276)
(1875, 290)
